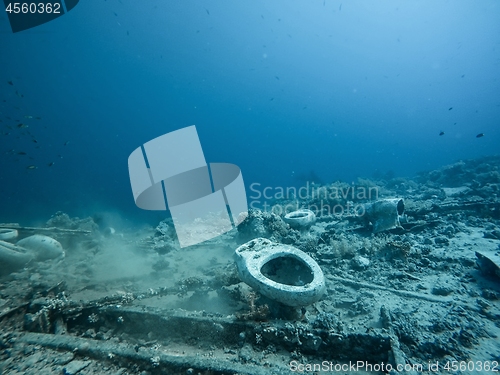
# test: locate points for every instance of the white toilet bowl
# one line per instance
(301, 284)
(300, 219)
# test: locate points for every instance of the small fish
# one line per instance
(38, 118)
(28, 116)
(480, 135)
(278, 78)
(207, 11)
(34, 141)
(51, 164)
(31, 167)
(116, 15)
(22, 153)
(441, 133)
(449, 109)
(10, 83)
(66, 143)
(21, 126)
(19, 94)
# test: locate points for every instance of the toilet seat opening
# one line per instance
(288, 270)
(296, 215)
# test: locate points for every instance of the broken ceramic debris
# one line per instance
(42, 247)
(384, 214)
(12, 257)
(300, 219)
(489, 263)
(8, 234)
(456, 191)
(280, 272)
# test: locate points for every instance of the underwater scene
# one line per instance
(273, 187)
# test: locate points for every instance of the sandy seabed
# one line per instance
(424, 297)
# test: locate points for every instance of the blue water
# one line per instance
(284, 89)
